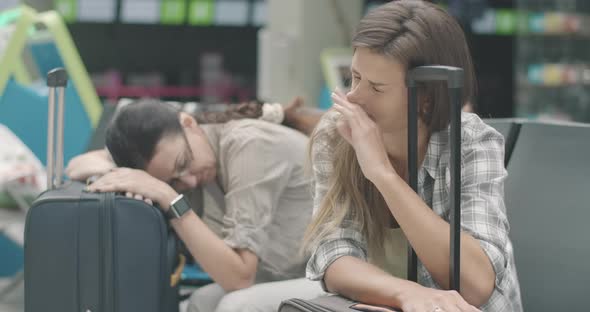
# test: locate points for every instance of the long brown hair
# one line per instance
(413, 33)
(243, 110)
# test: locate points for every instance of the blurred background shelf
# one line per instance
(552, 60)
(174, 39)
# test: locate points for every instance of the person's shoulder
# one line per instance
(325, 130)
(324, 140)
(327, 121)
(474, 130)
(245, 131)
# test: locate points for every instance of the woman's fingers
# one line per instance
(337, 98)
(344, 130)
(139, 197)
(340, 93)
(344, 108)
(348, 119)
(370, 308)
(357, 111)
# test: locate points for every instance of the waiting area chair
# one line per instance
(548, 209)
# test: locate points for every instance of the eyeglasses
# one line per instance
(177, 176)
(182, 167)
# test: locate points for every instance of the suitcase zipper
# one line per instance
(304, 305)
(106, 276)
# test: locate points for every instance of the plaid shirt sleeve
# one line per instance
(483, 211)
(346, 240)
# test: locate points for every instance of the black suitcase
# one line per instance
(454, 78)
(87, 252)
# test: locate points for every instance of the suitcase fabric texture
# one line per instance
(454, 79)
(322, 304)
(95, 252)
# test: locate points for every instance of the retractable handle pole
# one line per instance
(57, 79)
(454, 78)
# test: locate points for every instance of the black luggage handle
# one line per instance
(454, 78)
(452, 75)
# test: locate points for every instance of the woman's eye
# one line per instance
(377, 90)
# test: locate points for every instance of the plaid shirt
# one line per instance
(483, 214)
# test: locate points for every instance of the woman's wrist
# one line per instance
(166, 196)
(386, 178)
(407, 292)
(400, 291)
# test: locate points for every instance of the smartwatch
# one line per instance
(178, 207)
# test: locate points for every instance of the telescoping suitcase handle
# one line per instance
(453, 76)
(57, 79)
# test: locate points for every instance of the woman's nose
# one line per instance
(354, 96)
(189, 180)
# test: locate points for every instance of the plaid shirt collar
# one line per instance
(437, 153)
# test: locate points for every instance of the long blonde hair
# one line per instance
(413, 33)
(350, 196)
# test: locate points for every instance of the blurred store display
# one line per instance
(552, 60)
(186, 50)
(532, 56)
(112, 86)
(237, 13)
(525, 22)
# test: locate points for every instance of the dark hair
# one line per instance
(419, 33)
(137, 128)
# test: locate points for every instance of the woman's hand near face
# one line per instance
(364, 135)
(89, 164)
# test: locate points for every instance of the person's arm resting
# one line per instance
(483, 220)
(257, 177)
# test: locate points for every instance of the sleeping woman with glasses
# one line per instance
(256, 196)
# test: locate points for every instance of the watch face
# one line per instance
(182, 206)
(179, 208)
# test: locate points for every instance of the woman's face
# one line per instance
(184, 160)
(378, 86)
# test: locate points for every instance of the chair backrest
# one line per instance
(509, 128)
(548, 209)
